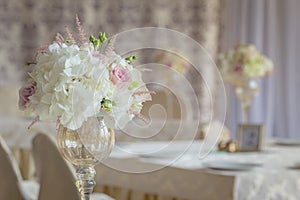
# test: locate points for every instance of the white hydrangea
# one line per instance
(72, 83)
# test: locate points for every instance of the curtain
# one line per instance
(273, 27)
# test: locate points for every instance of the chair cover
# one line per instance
(56, 178)
(12, 186)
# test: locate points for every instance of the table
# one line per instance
(187, 177)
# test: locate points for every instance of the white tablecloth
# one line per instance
(272, 180)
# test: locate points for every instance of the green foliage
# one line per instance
(102, 37)
(97, 42)
(30, 63)
(130, 59)
(107, 105)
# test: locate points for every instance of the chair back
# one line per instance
(55, 176)
(10, 175)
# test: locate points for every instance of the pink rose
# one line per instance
(119, 74)
(24, 93)
(238, 68)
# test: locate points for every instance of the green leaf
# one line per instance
(96, 43)
(102, 37)
(130, 59)
(30, 63)
(106, 104)
(92, 38)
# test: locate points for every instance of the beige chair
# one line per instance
(57, 180)
(12, 186)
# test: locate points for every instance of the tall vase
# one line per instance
(85, 148)
(245, 92)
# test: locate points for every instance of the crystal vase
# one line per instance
(245, 91)
(85, 148)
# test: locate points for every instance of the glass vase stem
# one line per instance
(245, 108)
(245, 92)
(85, 181)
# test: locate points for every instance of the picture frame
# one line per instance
(250, 137)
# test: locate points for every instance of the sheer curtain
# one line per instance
(273, 26)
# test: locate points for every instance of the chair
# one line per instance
(12, 186)
(57, 180)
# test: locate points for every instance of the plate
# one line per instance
(287, 142)
(231, 165)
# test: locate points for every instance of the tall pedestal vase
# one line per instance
(85, 148)
(245, 93)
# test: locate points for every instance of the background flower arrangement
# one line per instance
(173, 66)
(242, 63)
(172, 61)
(74, 79)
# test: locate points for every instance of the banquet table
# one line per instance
(156, 169)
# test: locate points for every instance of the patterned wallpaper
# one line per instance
(28, 24)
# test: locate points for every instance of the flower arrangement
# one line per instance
(73, 80)
(172, 61)
(244, 62)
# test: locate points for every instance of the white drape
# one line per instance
(273, 26)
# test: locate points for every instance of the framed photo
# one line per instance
(250, 137)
